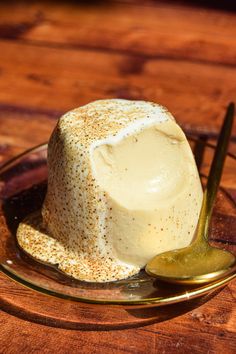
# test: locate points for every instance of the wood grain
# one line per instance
(59, 55)
(198, 324)
(161, 30)
(79, 76)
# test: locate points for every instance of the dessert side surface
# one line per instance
(122, 187)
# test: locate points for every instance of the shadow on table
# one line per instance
(132, 318)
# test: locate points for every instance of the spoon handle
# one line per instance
(215, 176)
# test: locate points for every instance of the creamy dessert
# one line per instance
(122, 187)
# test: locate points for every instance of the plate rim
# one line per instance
(150, 302)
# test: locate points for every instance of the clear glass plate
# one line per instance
(23, 183)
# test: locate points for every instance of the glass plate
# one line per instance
(23, 182)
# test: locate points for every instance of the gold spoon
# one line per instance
(200, 262)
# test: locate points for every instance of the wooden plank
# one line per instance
(59, 55)
(196, 94)
(206, 327)
(24, 129)
(163, 30)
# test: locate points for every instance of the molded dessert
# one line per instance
(122, 187)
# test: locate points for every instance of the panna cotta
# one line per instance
(122, 187)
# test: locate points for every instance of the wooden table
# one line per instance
(57, 56)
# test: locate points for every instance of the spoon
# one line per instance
(200, 263)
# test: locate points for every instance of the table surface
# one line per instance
(57, 56)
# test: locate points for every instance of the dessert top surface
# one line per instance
(107, 118)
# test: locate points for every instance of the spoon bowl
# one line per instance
(200, 262)
(192, 265)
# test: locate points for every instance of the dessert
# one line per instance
(122, 187)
